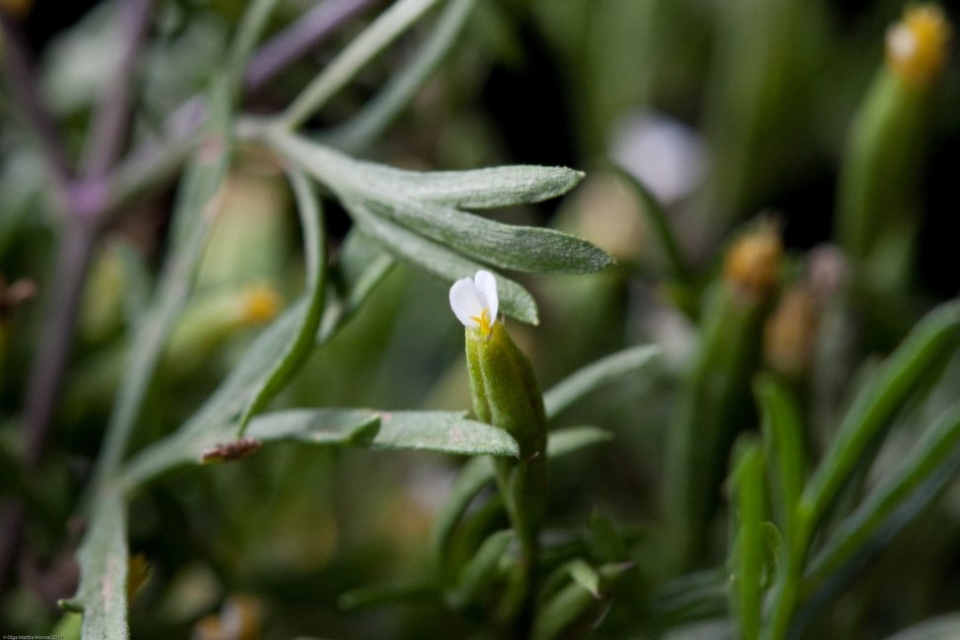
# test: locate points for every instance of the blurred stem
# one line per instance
(379, 35)
(376, 116)
(108, 132)
(659, 221)
(297, 39)
(20, 68)
(56, 337)
(90, 205)
(713, 408)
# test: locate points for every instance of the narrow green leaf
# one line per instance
(213, 422)
(564, 441)
(586, 576)
(103, 559)
(574, 603)
(878, 401)
(479, 573)
(693, 596)
(474, 476)
(531, 249)
(783, 439)
(564, 609)
(268, 364)
(440, 261)
(361, 265)
(317, 426)
(278, 372)
(442, 431)
(936, 454)
(748, 555)
(602, 372)
(475, 189)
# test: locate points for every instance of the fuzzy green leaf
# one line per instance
(317, 426)
(475, 189)
(532, 249)
(595, 375)
(439, 261)
(442, 431)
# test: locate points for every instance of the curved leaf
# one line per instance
(442, 431)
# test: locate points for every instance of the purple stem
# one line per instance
(294, 41)
(56, 333)
(110, 126)
(20, 68)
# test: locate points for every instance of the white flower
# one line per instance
(475, 302)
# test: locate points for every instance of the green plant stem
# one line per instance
(384, 30)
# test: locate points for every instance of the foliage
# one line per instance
(233, 407)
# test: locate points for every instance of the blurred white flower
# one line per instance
(664, 154)
(474, 301)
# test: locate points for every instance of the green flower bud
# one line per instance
(505, 394)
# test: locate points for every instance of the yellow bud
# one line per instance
(917, 45)
(261, 304)
(790, 332)
(752, 265)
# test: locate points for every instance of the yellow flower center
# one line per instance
(261, 304)
(917, 45)
(484, 321)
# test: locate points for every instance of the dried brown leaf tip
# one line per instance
(230, 451)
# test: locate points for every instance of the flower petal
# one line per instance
(486, 285)
(465, 302)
